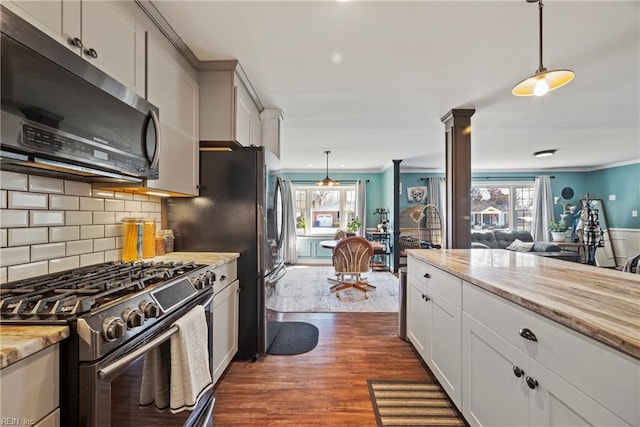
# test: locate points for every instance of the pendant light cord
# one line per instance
(327, 153)
(540, 5)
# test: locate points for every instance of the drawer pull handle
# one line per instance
(91, 52)
(528, 335)
(532, 383)
(427, 276)
(517, 371)
(223, 278)
(425, 297)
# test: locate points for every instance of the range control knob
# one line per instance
(113, 328)
(210, 278)
(199, 282)
(133, 317)
(150, 309)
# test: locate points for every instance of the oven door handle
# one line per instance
(115, 367)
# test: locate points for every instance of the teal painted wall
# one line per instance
(624, 183)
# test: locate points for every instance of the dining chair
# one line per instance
(351, 258)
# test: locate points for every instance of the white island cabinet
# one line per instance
(510, 365)
(105, 33)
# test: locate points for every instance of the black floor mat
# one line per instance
(291, 337)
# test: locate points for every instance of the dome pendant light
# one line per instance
(327, 182)
(542, 81)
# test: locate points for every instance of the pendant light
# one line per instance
(327, 182)
(543, 80)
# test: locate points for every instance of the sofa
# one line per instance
(498, 239)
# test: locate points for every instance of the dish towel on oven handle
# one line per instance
(175, 375)
(190, 373)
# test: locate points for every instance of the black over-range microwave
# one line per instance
(62, 116)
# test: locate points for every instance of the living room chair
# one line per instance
(351, 258)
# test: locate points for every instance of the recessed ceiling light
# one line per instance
(336, 57)
(544, 153)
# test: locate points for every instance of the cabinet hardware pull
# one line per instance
(517, 371)
(425, 297)
(528, 335)
(75, 42)
(91, 52)
(532, 383)
(223, 278)
(427, 276)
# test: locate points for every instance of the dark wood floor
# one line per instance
(324, 387)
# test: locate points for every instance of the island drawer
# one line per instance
(601, 372)
(445, 284)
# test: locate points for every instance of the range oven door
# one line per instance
(110, 389)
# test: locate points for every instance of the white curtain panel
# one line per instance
(361, 204)
(289, 239)
(542, 212)
(437, 196)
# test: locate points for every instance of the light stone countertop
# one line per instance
(601, 303)
(18, 342)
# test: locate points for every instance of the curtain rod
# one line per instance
(506, 178)
(497, 177)
(346, 181)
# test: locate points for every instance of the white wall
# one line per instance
(49, 225)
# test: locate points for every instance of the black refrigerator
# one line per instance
(237, 197)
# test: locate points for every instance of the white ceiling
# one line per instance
(370, 80)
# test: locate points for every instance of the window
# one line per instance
(495, 207)
(322, 211)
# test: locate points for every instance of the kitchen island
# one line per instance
(517, 339)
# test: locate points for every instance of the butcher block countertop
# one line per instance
(18, 342)
(601, 303)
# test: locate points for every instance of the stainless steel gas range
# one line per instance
(117, 312)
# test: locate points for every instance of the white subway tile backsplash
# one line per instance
(130, 205)
(62, 264)
(48, 251)
(90, 204)
(14, 218)
(149, 207)
(49, 225)
(113, 230)
(13, 181)
(104, 217)
(74, 188)
(113, 205)
(123, 196)
(113, 255)
(105, 244)
(39, 218)
(91, 231)
(25, 271)
(42, 184)
(62, 234)
(20, 200)
(102, 193)
(78, 218)
(90, 259)
(78, 247)
(12, 256)
(65, 203)
(27, 236)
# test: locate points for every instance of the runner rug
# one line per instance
(411, 403)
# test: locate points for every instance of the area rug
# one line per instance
(305, 289)
(291, 337)
(411, 403)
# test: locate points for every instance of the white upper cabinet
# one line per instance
(172, 87)
(105, 33)
(229, 108)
